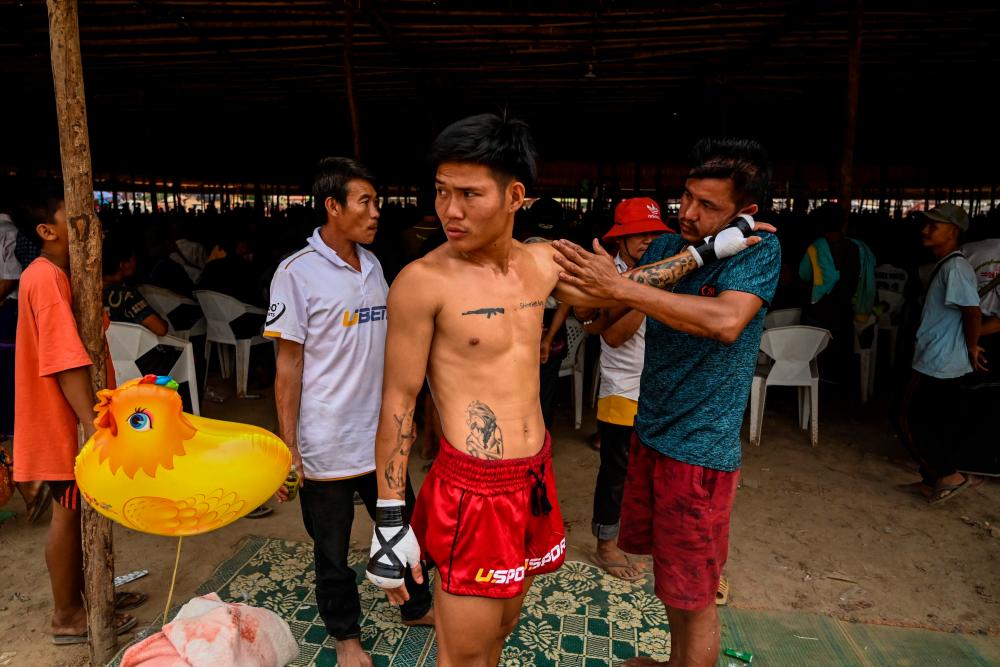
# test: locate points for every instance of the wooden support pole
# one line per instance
(853, 87)
(85, 277)
(349, 79)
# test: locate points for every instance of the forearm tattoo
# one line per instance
(666, 272)
(485, 441)
(395, 469)
(395, 477)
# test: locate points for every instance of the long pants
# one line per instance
(548, 383)
(933, 421)
(615, 442)
(328, 513)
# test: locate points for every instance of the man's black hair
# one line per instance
(116, 250)
(37, 204)
(830, 217)
(502, 144)
(332, 177)
(743, 160)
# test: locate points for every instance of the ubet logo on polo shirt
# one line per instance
(362, 315)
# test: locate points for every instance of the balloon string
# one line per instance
(173, 579)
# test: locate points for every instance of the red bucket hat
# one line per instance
(639, 215)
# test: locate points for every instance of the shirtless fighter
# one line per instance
(469, 316)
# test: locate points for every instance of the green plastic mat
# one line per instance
(577, 617)
(790, 638)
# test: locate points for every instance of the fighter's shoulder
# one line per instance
(541, 252)
(424, 277)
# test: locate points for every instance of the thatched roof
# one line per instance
(258, 85)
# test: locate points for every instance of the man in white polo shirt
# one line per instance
(329, 316)
(637, 224)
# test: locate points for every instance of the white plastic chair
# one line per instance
(889, 320)
(220, 310)
(573, 364)
(891, 278)
(129, 342)
(165, 302)
(783, 317)
(867, 356)
(794, 350)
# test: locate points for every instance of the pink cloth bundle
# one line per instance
(208, 632)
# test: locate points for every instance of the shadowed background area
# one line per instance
(255, 90)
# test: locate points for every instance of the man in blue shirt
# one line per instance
(947, 350)
(702, 338)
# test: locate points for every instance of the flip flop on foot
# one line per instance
(618, 568)
(261, 511)
(125, 600)
(917, 488)
(123, 623)
(722, 595)
(946, 491)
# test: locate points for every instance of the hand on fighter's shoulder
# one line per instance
(542, 253)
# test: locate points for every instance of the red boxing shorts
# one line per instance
(679, 513)
(487, 525)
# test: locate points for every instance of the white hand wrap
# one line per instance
(394, 546)
(728, 242)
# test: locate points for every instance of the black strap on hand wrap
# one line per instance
(706, 250)
(388, 517)
(741, 223)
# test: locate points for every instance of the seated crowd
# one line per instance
(829, 258)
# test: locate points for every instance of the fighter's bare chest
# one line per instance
(492, 322)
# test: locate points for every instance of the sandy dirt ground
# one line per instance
(820, 530)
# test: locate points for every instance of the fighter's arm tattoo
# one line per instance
(395, 469)
(665, 272)
(485, 440)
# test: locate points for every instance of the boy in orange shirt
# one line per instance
(54, 393)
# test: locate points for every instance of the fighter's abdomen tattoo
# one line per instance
(485, 440)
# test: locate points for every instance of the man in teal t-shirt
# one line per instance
(694, 389)
(702, 337)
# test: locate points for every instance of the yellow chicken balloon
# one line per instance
(154, 468)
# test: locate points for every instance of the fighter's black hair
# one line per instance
(743, 160)
(504, 145)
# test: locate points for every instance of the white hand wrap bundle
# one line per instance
(394, 546)
(728, 242)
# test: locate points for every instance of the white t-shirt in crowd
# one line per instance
(621, 367)
(984, 256)
(339, 316)
(10, 268)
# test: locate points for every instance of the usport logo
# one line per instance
(363, 315)
(515, 574)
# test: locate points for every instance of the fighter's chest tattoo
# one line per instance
(488, 312)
